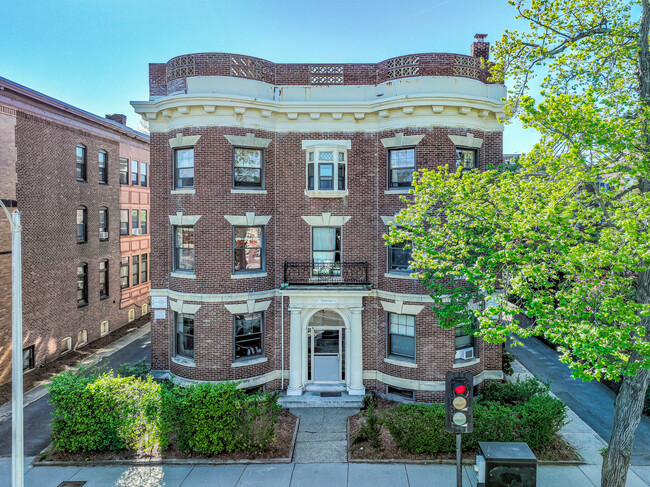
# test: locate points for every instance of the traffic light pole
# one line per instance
(459, 455)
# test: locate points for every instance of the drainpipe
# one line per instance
(282, 344)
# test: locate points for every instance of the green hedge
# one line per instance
(521, 411)
(102, 412)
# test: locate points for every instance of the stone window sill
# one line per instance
(252, 361)
(183, 275)
(401, 362)
(248, 191)
(397, 191)
(248, 275)
(183, 191)
(325, 194)
(399, 275)
(458, 364)
(187, 362)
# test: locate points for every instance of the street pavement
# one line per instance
(592, 401)
(130, 348)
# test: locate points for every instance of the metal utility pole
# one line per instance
(17, 434)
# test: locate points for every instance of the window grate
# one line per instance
(180, 67)
(326, 74)
(246, 67)
(401, 67)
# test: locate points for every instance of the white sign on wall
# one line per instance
(158, 302)
(159, 314)
(326, 300)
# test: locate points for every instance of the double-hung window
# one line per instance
(124, 222)
(184, 169)
(326, 251)
(248, 168)
(465, 342)
(184, 249)
(401, 336)
(124, 171)
(248, 248)
(103, 279)
(144, 269)
(143, 222)
(81, 162)
(249, 335)
(82, 285)
(124, 273)
(135, 270)
(466, 158)
(135, 222)
(103, 224)
(326, 170)
(82, 224)
(184, 331)
(398, 257)
(134, 173)
(401, 165)
(103, 167)
(143, 174)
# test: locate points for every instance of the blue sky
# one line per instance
(94, 54)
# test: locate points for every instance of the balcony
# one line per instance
(326, 273)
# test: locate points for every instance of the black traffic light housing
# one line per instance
(459, 402)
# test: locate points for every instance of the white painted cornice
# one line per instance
(344, 144)
(250, 306)
(249, 140)
(184, 140)
(184, 308)
(326, 220)
(398, 307)
(248, 220)
(401, 140)
(466, 141)
(183, 220)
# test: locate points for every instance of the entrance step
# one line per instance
(313, 399)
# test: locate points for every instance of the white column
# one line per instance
(356, 356)
(295, 354)
(17, 443)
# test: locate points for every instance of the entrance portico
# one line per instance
(325, 346)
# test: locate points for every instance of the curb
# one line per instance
(41, 390)
(170, 461)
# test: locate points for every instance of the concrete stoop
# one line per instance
(313, 399)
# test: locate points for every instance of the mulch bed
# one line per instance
(40, 375)
(281, 448)
(558, 451)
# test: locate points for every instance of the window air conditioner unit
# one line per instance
(103, 234)
(136, 231)
(464, 354)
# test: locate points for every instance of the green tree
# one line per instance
(564, 237)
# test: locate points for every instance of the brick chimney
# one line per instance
(480, 48)
(117, 117)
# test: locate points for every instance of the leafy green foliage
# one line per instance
(514, 393)
(370, 430)
(420, 428)
(138, 369)
(506, 362)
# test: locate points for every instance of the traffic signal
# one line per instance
(459, 402)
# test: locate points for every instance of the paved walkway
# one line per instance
(322, 435)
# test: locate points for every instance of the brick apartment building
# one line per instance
(272, 186)
(60, 166)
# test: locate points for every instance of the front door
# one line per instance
(325, 355)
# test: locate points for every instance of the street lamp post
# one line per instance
(17, 437)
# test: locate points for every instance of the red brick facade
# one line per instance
(43, 134)
(287, 234)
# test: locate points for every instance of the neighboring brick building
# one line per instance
(59, 166)
(272, 185)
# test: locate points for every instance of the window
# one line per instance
(124, 222)
(103, 167)
(134, 173)
(103, 224)
(401, 336)
(466, 158)
(103, 279)
(184, 328)
(124, 171)
(135, 270)
(28, 358)
(249, 341)
(124, 273)
(104, 329)
(248, 248)
(135, 222)
(184, 249)
(82, 285)
(143, 174)
(465, 343)
(81, 162)
(82, 223)
(183, 168)
(247, 168)
(326, 251)
(328, 166)
(143, 222)
(401, 164)
(400, 392)
(398, 257)
(143, 268)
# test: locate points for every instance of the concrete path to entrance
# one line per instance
(322, 435)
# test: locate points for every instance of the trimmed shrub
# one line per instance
(512, 393)
(371, 428)
(420, 428)
(95, 413)
(541, 418)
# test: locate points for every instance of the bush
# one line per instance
(541, 418)
(506, 362)
(139, 369)
(95, 413)
(513, 393)
(420, 428)
(371, 428)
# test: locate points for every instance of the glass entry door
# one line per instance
(325, 355)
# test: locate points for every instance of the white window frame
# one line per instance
(314, 148)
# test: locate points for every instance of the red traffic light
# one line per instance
(461, 389)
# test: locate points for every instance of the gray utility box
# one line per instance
(505, 465)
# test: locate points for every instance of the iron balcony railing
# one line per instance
(326, 273)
